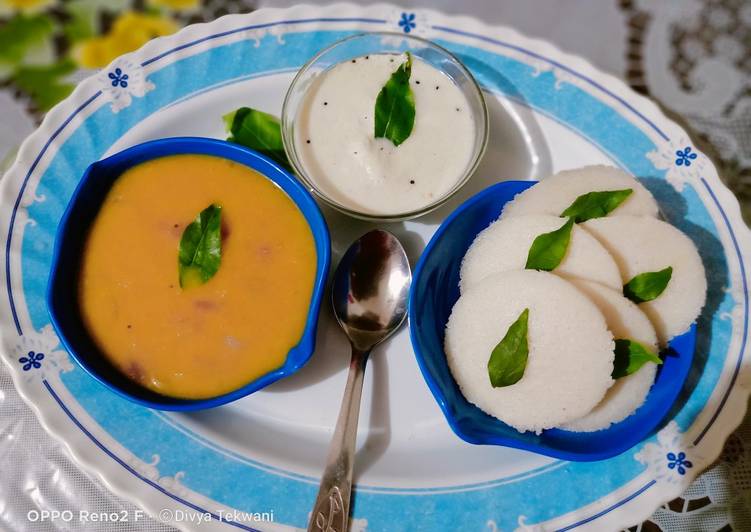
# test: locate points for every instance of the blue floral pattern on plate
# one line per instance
(679, 462)
(118, 77)
(31, 360)
(407, 22)
(685, 156)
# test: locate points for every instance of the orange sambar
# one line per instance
(206, 340)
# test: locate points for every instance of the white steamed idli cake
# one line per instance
(625, 321)
(505, 244)
(554, 194)
(570, 358)
(640, 244)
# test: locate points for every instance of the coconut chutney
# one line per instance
(335, 142)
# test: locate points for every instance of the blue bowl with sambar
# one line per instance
(82, 210)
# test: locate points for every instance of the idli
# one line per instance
(625, 321)
(641, 244)
(505, 244)
(556, 193)
(570, 350)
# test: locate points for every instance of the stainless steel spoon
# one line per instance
(369, 295)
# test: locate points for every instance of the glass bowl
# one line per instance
(380, 43)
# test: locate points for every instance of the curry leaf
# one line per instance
(596, 204)
(258, 131)
(647, 286)
(548, 249)
(630, 356)
(508, 359)
(395, 106)
(200, 251)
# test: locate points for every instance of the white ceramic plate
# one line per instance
(549, 111)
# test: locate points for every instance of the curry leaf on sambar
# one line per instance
(200, 250)
(508, 360)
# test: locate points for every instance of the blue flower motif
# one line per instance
(407, 22)
(31, 360)
(118, 78)
(685, 156)
(679, 462)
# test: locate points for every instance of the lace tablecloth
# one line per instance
(693, 57)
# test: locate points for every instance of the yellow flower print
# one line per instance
(130, 31)
(176, 5)
(25, 6)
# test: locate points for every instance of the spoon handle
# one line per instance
(331, 510)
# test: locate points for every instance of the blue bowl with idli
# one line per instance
(435, 290)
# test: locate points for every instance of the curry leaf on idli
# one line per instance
(555, 193)
(548, 249)
(630, 356)
(509, 358)
(504, 246)
(648, 285)
(596, 204)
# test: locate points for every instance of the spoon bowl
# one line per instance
(369, 297)
(371, 287)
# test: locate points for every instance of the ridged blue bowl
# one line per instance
(435, 289)
(62, 290)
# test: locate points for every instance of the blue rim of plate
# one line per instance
(544, 78)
